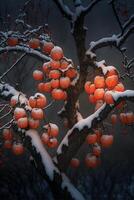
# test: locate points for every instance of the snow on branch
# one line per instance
(27, 50)
(105, 69)
(125, 36)
(127, 23)
(79, 9)
(129, 64)
(87, 9)
(76, 136)
(32, 31)
(21, 22)
(114, 40)
(65, 10)
(7, 91)
(3, 34)
(7, 125)
(61, 186)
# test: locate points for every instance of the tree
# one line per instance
(65, 82)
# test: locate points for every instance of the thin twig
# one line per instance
(116, 15)
(18, 60)
(6, 125)
(3, 108)
(6, 113)
(50, 104)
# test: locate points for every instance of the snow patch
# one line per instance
(74, 192)
(25, 49)
(113, 38)
(127, 93)
(46, 160)
(104, 67)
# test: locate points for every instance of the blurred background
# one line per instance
(114, 178)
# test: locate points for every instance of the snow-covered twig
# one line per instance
(30, 32)
(49, 105)
(27, 50)
(7, 125)
(3, 107)
(129, 64)
(21, 22)
(114, 40)
(126, 34)
(7, 91)
(8, 113)
(128, 22)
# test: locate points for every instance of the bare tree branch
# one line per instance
(65, 10)
(116, 15)
(126, 35)
(127, 23)
(8, 113)
(18, 60)
(7, 91)
(90, 6)
(7, 125)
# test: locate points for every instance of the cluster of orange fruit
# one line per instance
(31, 119)
(98, 93)
(8, 143)
(58, 69)
(56, 75)
(55, 78)
(96, 140)
(126, 118)
(99, 90)
(49, 135)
